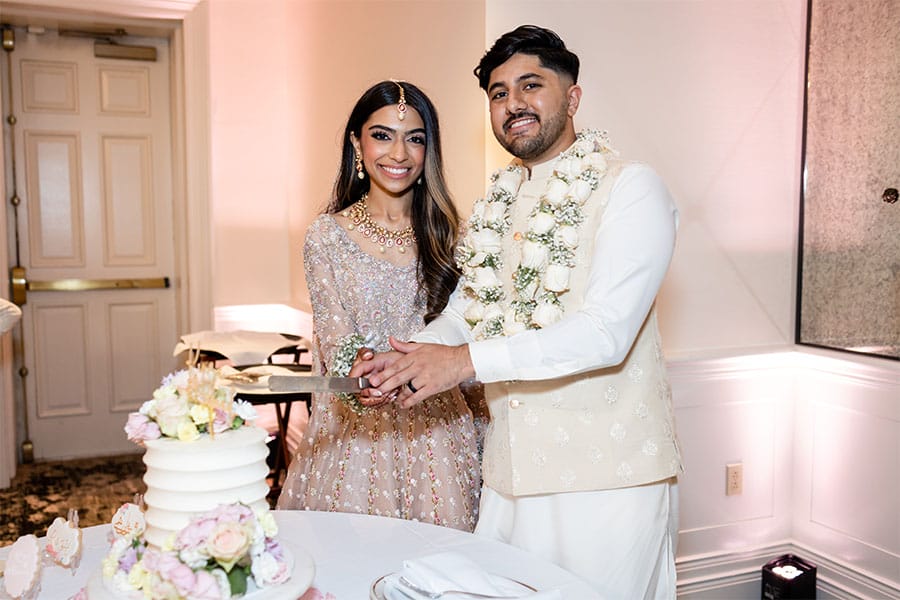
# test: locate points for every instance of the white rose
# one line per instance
(585, 146)
(568, 168)
(187, 431)
(170, 412)
(267, 522)
(546, 313)
(511, 325)
(534, 255)
(477, 259)
(509, 182)
(567, 236)
(556, 191)
(199, 414)
(596, 161)
(580, 190)
(474, 312)
(148, 408)
(494, 212)
(245, 410)
(478, 209)
(485, 240)
(541, 223)
(485, 277)
(556, 278)
(491, 312)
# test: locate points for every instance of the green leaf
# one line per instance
(237, 580)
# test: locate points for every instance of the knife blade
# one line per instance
(316, 383)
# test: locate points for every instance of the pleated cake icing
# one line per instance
(187, 478)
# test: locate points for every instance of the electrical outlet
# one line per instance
(734, 479)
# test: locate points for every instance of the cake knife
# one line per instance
(316, 383)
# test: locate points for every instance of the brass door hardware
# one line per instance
(21, 286)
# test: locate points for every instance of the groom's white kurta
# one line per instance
(584, 404)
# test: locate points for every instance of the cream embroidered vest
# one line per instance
(598, 430)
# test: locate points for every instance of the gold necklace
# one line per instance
(361, 220)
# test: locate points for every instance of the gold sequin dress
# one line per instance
(420, 463)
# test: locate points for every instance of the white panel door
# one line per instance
(93, 167)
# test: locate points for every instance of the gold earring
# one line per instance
(359, 166)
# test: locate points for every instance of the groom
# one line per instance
(555, 314)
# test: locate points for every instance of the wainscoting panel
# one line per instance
(735, 410)
(819, 438)
(847, 494)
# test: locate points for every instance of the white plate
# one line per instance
(378, 587)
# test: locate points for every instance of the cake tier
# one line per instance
(187, 478)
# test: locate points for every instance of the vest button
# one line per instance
(514, 403)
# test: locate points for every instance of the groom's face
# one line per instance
(531, 108)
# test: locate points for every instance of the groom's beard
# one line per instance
(527, 148)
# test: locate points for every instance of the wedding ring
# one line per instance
(411, 387)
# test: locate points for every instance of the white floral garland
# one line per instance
(548, 246)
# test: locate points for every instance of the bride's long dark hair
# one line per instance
(434, 217)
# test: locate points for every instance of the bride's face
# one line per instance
(393, 150)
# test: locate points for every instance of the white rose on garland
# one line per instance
(556, 192)
(534, 255)
(556, 278)
(547, 252)
(547, 313)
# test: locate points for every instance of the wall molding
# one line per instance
(723, 571)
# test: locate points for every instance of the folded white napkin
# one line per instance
(454, 571)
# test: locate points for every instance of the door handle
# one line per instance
(21, 286)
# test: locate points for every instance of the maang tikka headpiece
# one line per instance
(401, 104)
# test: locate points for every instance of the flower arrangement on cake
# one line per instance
(190, 402)
(215, 556)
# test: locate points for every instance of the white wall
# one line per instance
(284, 78)
(710, 93)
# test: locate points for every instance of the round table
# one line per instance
(352, 551)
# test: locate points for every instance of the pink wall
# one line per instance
(711, 94)
(284, 76)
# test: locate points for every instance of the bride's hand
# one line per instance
(370, 397)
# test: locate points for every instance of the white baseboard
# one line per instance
(738, 576)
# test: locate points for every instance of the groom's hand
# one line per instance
(421, 370)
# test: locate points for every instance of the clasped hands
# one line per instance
(410, 372)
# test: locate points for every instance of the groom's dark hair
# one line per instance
(533, 40)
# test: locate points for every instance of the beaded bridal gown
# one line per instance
(421, 463)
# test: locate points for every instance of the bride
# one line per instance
(380, 262)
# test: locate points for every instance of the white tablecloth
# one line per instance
(352, 551)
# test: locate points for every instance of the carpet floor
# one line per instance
(40, 492)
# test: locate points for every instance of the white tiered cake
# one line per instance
(194, 475)
(187, 478)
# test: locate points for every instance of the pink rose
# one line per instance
(227, 544)
(205, 587)
(182, 577)
(222, 421)
(150, 559)
(236, 513)
(195, 534)
(139, 428)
